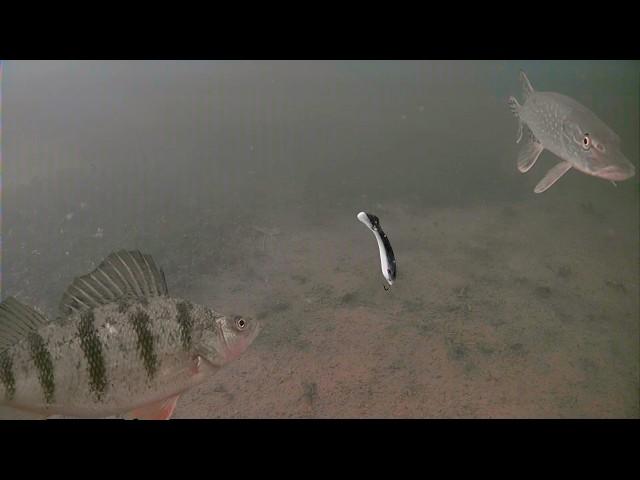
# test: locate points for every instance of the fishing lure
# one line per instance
(387, 257)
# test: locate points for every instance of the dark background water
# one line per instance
(349, 127)
(181, 158)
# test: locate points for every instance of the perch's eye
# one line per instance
(240, 324)
(586, 141)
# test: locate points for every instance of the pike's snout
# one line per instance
(618, 172)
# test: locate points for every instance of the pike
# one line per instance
(121, 345)
(548, 120)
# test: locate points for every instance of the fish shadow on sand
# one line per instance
(309, 392)
(542, 292)
(299, 279)
(274, 308)
(349, 298)
(617, 286)
(268, 234)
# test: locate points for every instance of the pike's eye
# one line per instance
(586, 141)
(240, 324)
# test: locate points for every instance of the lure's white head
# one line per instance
(364, 219)
(372, 223)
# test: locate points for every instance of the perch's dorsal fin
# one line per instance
(17, 321)
(121, 274)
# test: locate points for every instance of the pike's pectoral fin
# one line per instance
(520, 131)
(162, 410)
(552, 176)
(529, 153)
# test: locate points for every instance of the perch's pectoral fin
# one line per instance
(162, 410)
